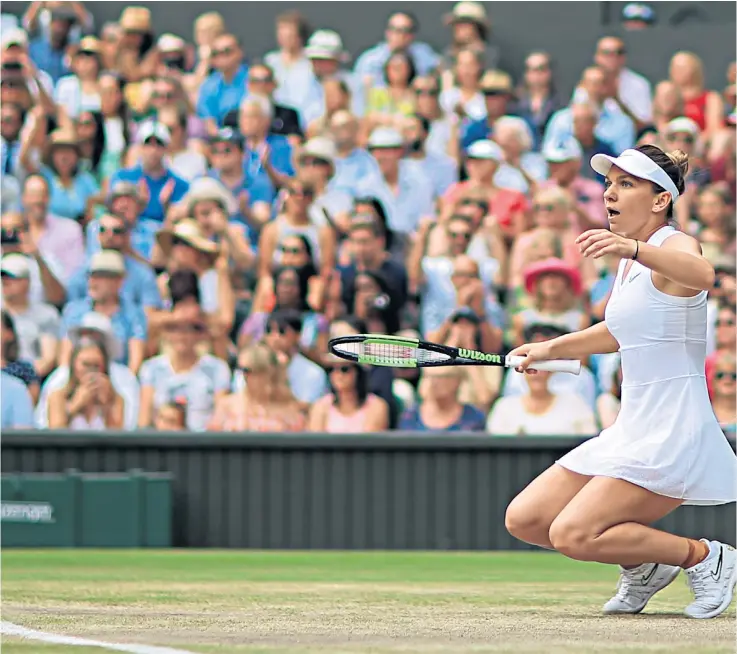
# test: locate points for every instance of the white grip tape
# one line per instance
(563, 365)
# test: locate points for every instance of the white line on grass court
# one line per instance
(10, 629)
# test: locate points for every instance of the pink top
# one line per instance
(64, 242)
(590, 195)
(503, 203)
(355, 423)
(236, 416)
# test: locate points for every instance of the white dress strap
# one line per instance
(663, 233)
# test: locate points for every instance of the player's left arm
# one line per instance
(679, 266)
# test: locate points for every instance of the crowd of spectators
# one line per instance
(186, 223)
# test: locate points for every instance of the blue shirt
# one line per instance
(440, 169)
(613, 127)
(139, 286)
(471, 419)
(70, 202)
(479, 130)
(17, 406)
(372, 61)
(259, 189)
(153, 210)
(258, 179)
(313, 106)
(218, 97)
(129, 322)
(353, 170)
(48, 59)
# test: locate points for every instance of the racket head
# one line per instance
(389, 351)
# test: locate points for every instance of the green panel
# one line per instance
(157, 511)
(392, 340)
(392, 362)
(39, 510)
(111, 511)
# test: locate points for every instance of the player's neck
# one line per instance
(647, 231)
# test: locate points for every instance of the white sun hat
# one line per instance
(638, 165)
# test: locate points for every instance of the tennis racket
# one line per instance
(400, 352)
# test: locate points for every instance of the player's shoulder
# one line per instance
(681, 241)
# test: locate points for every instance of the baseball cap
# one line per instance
(682, 124)
(638, 11)
(485, 150)
(637, 164)
(121, 188)
(319, 147)
(16, 265)
(170, 43)
(155, 129)
(109, 261)
(15, 36)
(228, 135)
(565, 150)
(325, 44)
(385, 137)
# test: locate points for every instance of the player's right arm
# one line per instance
(577, 345)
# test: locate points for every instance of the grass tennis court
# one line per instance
(355, 602)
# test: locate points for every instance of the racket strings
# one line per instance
(396, 351)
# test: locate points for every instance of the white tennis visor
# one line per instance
(638, 165)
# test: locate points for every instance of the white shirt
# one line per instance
(583, 384)
(69, 95)
(568, 415)
(635, 92)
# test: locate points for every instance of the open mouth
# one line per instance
(611, 213)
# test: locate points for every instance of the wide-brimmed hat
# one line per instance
(468, 12)
(135, 19)
(319, 147)
(98, 322)
(89, 44)
(553, 265)
(107, 261)
(63, 137)
(207, 188)
(495, 81)
(189, 231)
(326, 44)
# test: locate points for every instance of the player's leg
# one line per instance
(531, 513)
(607, 521)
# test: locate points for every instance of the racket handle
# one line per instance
(562, 365)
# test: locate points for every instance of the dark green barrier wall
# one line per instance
(391, 491)
(86, 510)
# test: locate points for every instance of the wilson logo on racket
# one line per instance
(479, 356)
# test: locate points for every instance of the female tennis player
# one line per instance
(666, 447)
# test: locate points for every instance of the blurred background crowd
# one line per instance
(186, 222)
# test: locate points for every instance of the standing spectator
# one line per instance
(158, 185)
(48, 50)
(80, 91)
(440, 168)
(11, 122)
(292, 69)
(703, 106)
(439, 409)
(37, 323)
(182, 374)
(17, 405)
(470, 30)
(107, 272)
(263, 401)
(585, 116)
(400, 35)
(349, 408)
(54, 237)
(115, 125)
(463, 98)
(136, 54)
(632, 90)
(88, 401)
(427, 90)
(496, 87)
(541, 412)
(537, 98)
(224, 90)
(387, 104)
(667, 104)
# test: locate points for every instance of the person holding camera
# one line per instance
(88, 401)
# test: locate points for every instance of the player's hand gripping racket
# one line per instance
(399, 352)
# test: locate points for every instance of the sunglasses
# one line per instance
(463, 235)
(494, 94)
(104, 274)
(154, 141)
(428, 92)
(287, 250)
(543, 207)
(117, 231)
(224, 51)
(276, 330)
(726, 322)
(685, 138)
(732, 376)
(312, 161)
(87, 53)
(163, 96)
(300, 193)
(618, 52)
(345, 369)
(537, 69)
(225, 150)
(401, 30)
(260, 80)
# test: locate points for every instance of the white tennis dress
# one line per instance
(666, 438)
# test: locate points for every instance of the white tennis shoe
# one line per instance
(712, 581)
(638, 585)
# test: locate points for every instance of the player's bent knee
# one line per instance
(526, 525)
(572, 540)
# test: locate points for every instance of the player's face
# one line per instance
(629, 201)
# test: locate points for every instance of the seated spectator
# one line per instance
(182, 157)
(337, 98)
(88, 401)
(387, 104)
(724, 391)
(608, 402)
(440, 410)
(99, 328)
(522, 169)
(463, 97)
(554, 287)
(263, 401)
(291, 291)
(483, 159)
(353, 164)
(439, 167)
(136, 57)
(560, 383)
(182, 373)
(10, 362)
(541, 412)
(427, 90)
(294, 219)
(157, 183)
(37, 323)
(725, 337)
(715, 223)
(171, 417)
(80, 91)
(139, 285)
(114, 113)
(349, 408)
(184, 247)
(703, 106)
(307, 380)
(106, 277)
(585, 116)
(90, 130)
(17, 405)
